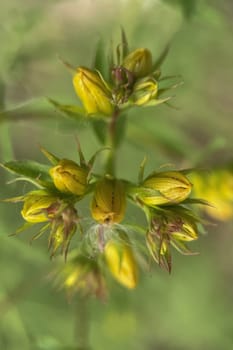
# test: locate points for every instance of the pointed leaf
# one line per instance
(30, 169)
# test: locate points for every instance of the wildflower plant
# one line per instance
(104, 243)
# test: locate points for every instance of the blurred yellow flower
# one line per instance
(122, 263)
(217, 188)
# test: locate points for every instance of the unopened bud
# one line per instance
(144, 91)
(109, 201)
(93, 91)
(122, 263)
(38, 206)
(139, 62)
(165, 188)
(69, 177)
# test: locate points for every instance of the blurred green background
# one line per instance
(192, 308)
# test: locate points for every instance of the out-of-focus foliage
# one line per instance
(192, 309)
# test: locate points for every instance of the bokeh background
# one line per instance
(191, 309)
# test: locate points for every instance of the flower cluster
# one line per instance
(133, 79)
(105, 244)
(133, 82)
(162, 196)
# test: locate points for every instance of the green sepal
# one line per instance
(141, 170)
(99, 61)
(174, 86)
(22, 228)
(157, 64)
(124, 43)
(40, 233)
(182, 248)
(71, 111)
(155, 102)
(197, 201)
(51, 157)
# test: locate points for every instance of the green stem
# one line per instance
(5, 138)
(111, 142)
(82, 324)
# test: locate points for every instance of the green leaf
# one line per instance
(73, 112)
(30, 169)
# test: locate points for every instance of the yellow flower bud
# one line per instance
(122, 263)
(109, 201)
(69, 177)
(139, 62)
(144, 91)
(37, 205)
(165, 188)
(93, 91)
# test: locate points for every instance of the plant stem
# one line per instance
(82, 324)
(111, 142)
